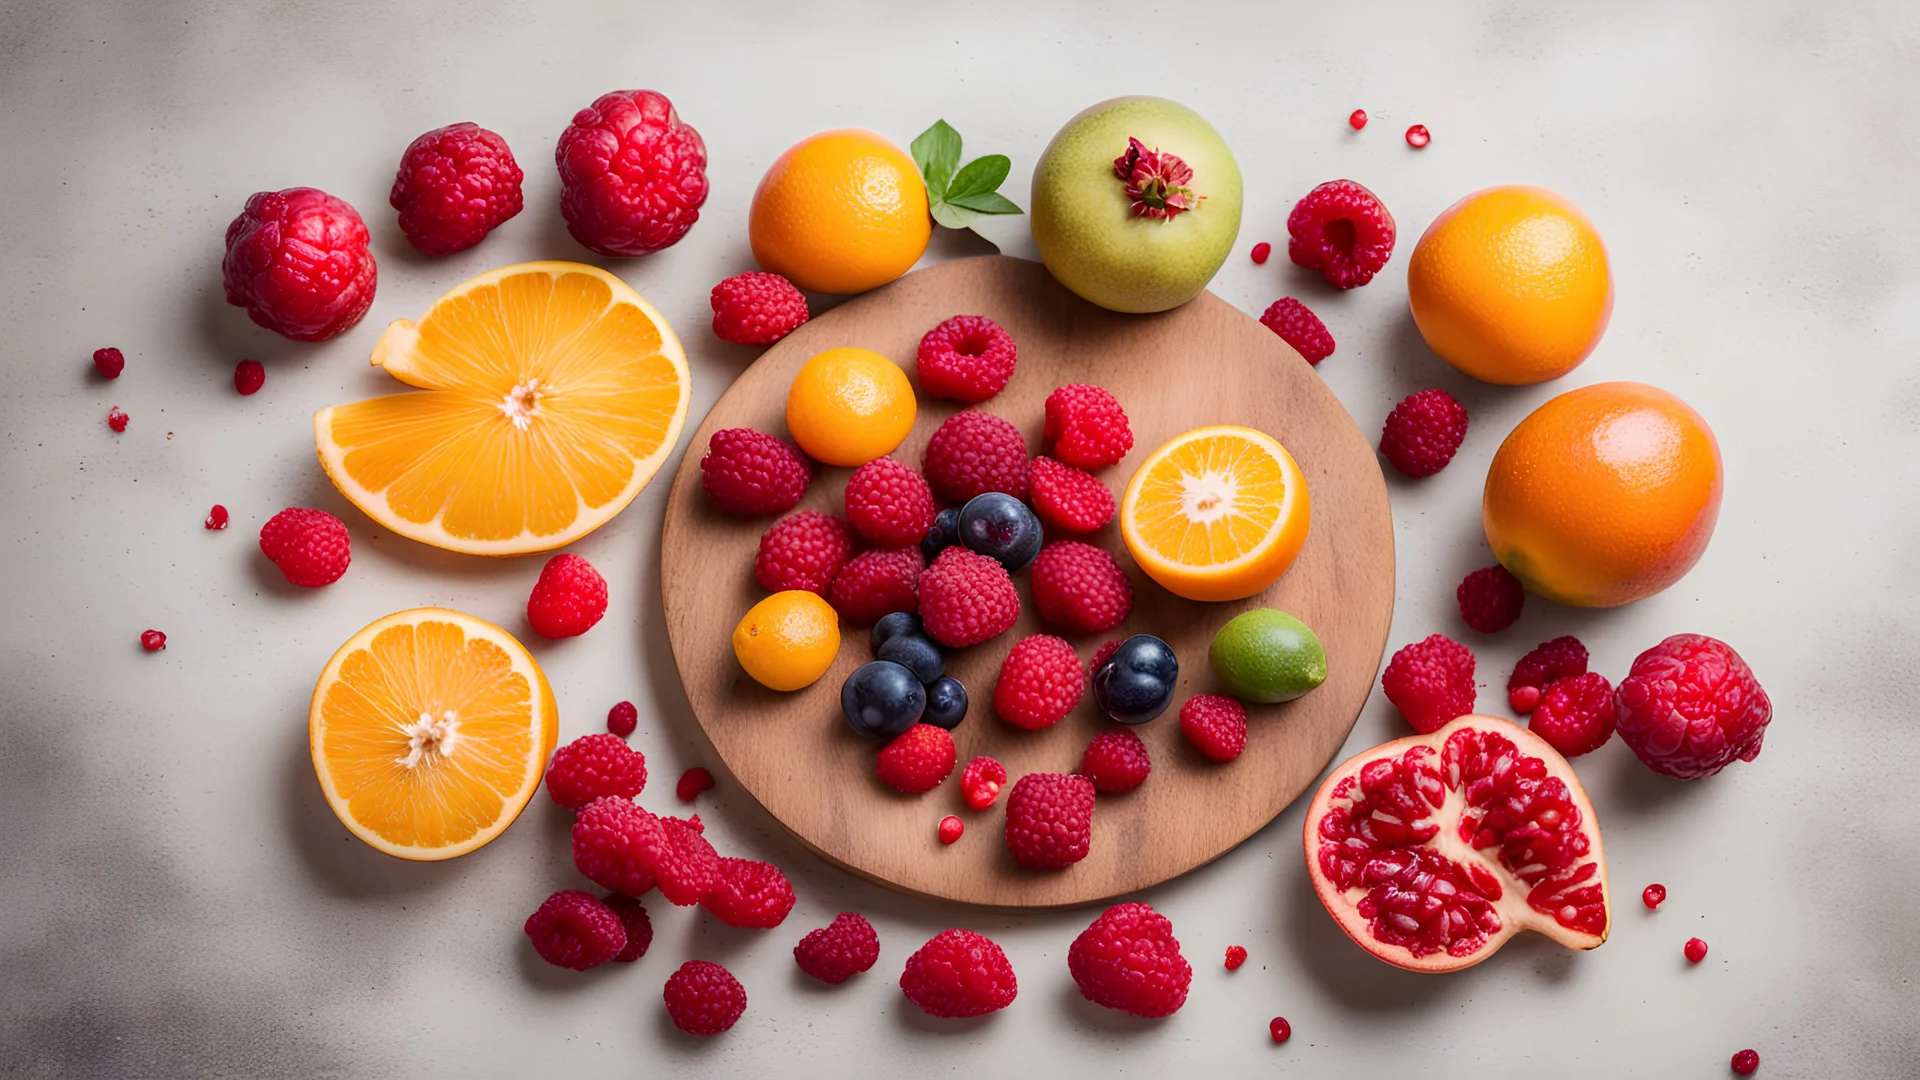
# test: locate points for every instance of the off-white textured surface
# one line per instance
(176, 900)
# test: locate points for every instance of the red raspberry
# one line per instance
(1080, 587)
(1260, 252)
(967, 358)
(109, 362)
(966, 598)
(839, 951)
(1549, 662)
(749, 894)
(692, 783)
(568, 599)
(248, 377)
(593, 766)
(606, 836)
(877, 583)
(1049, 820)
(756, 308)
(116, 419)
(750, 472)
(1041, 680)
(916, 761)
(702, 997)
(1430, 682)
(981, 781)
(1102, 654)
(298, 261)
(1128, 959)
(1297, 326)
(575, 930)
(975, 452)
(1342, 230)
(951, 829)
(803, 551)
(623, 718)
(217, 518)
(1690, 706)
(152, 640)
(694, 823)
(1490, 599)
(1236, 956)
(959, 973)
(1115, 761)
(311, 547)
(456, 184)
(1575, 715)
(1068, 498)
(680, 859)
(1086, 427)
(1423, 432)
(632, 176)
(639, 926)
(1216, 725)
(889, 503)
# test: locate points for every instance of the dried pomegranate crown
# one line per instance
(1155, 181)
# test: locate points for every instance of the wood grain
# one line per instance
(1202, 363)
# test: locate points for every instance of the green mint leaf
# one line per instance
(981, 175)
(951, 216)
(986, 202)
(937, 152)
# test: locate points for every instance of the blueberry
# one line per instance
(946, 704)
(900, 622)
(1136, 683)
(916, 654)
(944, 534)
(1001, 526)
(882, 699)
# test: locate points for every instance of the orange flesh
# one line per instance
(1210, 501)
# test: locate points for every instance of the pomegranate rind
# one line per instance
(1509, 898)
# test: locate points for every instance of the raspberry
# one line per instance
(152, 640)
(639, 926)
(839, 951)
(756, 308)
(1549, 662)
(298, 261)
(889, 503)
(606, 835)
(803, 551)
(750, 472)
(1236, 955)
(632, 176)
(692, 783)
(680, 859)
(877, 583)
(1216, 725)
(1690, 706)
(574, 930)
(568, 599)
(1040, 682)
(1745, 1062)
(455, 185)
(248, 377)
(966, 598)
(1423, 432)
(951, 828)
(1695, 950)
(1260, 252)
(1080, 587)
(311, 547)
(217, 518)
(916, 761)
(623, 718)
(1102, 654)
(1342, 230)
(1430, 682)
(1115, 761)
(116, 419)
(704, 998)
(1086, 427)
(981, 781)
(1049, 820)
(1490, 599)
(975, 452)
(1069, 499)
(968, 358)
(694, 823)
(109, 362)
(593, 766)
(959, 973)
(749, 894)
(1128, 959)
(1575, 715)
(1297, 326)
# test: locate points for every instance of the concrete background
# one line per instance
(177, 900)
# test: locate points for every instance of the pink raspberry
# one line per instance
(632, 176)
(1129, 960)
(704, 998)
(1490, 599)
(606, 837)
(1342, 230)
(569, 598)
(968, 358)
(1069, 499)
(981, 781)
(959, 973)
(1040, 682)
(1423, 432)
(877, 583)
(889, 503)
(1430, 682)
(1216, 725)
(756, 308)
(109, 362)
(1549, 662)
(456, 184)
(311, 547)
(574, 930)
(803, 550)
(1115, 761)
(248, 377)
(1299, 327)
(749, 894)
(917, 760)
(1086, 427)
(840, 950)
(1080, 588)
(966, 598)
(680, 859)
(750, 472)
(298, 261)
(1690, 707)
(593, 766)
(623, 718)
(639, 926)
(973, 453)
(1576, 714)
(1050, 820)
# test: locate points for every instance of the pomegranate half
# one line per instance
(1431, 851)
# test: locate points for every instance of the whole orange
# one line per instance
(1604, 495)
(840, 212)
(1511, 285)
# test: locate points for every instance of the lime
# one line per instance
(1264, 656)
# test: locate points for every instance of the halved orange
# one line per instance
(1218, 513)
(553, 392)
(430, 730)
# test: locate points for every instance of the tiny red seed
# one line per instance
(153, 640)
(623, 718)
(217, 517)
(116, 419)
(693, 782)
(1696, 950)
(1653, 896)
(1280, 1029)
(1418, 136)
(1260, 252)
(1745, 1061)
(950, 829)
(249, 376)
(109, 362)
(1358, 120)
(1236, 955)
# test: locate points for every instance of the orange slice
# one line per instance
(553, 392)
(430, 730)
(1218, 513)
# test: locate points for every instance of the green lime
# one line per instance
(1264, 656)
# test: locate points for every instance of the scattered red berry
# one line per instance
(1418, 136)
(1086, 427)
(1342, 230)
(1745, 1061)
(1430, 682)
(298, 262)
(692, 783)
(1423, 432)
(573, 929)
(1129, 960)
(1299, 327)
(1260, 252)
(606, 836)
(1069, 499)
(839, 951)
(1216, 725)
(973, 453)
(1490, 599)
(917, 760)
(1696, 950)
(959, 973)
(694, 823)
(311, 547)
(248, 377)
(981, 781)
(702, 997)
(749, 894)
(1049, 820)
(1575, 714)
(1357, 119)
(109, 362)
(968, 358)
(1040, 682)
(1653, 896)
(757, 308)
(595, 766)
(1690, 707)
(116, 419)
(1080, 588)
(889, 503)
(632, 176)
(1547, 663)
(683, 864)
(639, 926)
(950, 829)
(1280, 1029)
(623, 718)
(455, 185)
(877, 583)
(152, 640)
(750, 472)
(1115, 761)
(569, 598)
(217, 518)
(966, 598)
(803, 550)
(1236, 955)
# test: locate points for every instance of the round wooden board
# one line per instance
(1202, 363)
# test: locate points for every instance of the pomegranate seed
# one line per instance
(1280, 1029)
(623, 718)
(248, 377)
(1236, 955)
(217, 517)
(1358, 120)
(950, 829)
(1260, 252)
(116, 419)
(109, 362)
(153, 640)
(1696, 950)
(1745, 1062)
(1653, 896)
(693, 782)
(1418, 136)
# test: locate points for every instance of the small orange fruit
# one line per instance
(788, 640)
(1218, 513)
(849, 406)
(1604, 495)
(840, 212)
(1511, 285)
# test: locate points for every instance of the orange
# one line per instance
(788, 640)
(1511, 285)
(551, 393)
(840, 212)
(1604, 495)
(1218, 513)
(429, 731)
(849, 406)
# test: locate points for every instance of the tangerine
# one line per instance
(843, 211)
